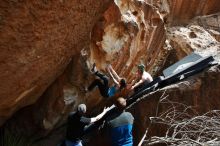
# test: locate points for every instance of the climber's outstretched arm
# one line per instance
(116, 79)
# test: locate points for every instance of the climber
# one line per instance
(120, 125)
(142, 78)
(103, 84)
(76, 123)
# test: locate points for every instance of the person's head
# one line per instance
(122, 83)
(141, 68)
(81, 109)
(120, 103)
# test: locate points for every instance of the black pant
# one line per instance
(101, 84)
(140, 87)
(63, 143)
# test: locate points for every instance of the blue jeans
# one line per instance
(70, 143)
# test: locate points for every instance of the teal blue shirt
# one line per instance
(121, 129)
(111, 91)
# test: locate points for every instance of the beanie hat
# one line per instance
(81, 108)
(141, 67)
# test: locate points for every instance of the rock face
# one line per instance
(210, 23)
(38, 40)
(193, 39)
(196, 37)
(47, 49)
(128, 38)
(180, 12)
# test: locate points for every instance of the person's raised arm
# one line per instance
(114, 73)
(94, 119)
(137, 84)
(114, 80)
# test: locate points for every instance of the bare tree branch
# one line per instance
(185, 126)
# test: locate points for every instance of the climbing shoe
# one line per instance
(94, 69)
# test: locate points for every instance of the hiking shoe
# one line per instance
(94, 69)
